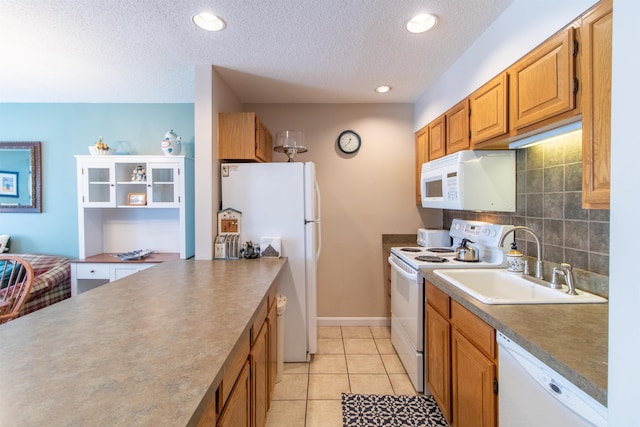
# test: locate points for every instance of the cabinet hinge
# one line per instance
(575, 47)
(178, 171)
(576, 85)
(495, 386)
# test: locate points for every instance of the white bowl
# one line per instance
(95, 152)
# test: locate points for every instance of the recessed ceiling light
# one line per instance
(383, 89)
(421, 23)
(208, 21)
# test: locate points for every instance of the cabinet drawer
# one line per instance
(438, 300)
(474, 329)
(118, 271)
(93, 271)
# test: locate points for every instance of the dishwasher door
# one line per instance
(531, 394)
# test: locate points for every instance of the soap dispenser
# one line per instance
(515, 260)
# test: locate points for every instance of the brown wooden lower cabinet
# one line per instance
(472, 377)
(237, 411)
(438, 359)
(460, 362)
(260, 377)
(244, 395)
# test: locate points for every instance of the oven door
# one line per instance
(407, 319)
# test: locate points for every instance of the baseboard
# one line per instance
(354, 321)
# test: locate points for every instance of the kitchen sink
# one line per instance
(498, 286)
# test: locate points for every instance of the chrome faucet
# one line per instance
(566, 272)
(539, 261)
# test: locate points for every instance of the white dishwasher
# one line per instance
(531, 394)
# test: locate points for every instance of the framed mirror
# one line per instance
(20, 177)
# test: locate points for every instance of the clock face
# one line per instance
(349, 142)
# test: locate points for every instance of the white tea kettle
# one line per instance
(171, 144)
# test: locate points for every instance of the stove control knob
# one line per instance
(490, 232)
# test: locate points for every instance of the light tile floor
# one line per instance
(349, 359)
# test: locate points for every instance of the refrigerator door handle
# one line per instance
(318, 207)
(319, 241)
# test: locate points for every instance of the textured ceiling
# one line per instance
(272, 51)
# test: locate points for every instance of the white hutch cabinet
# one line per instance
(127, 203)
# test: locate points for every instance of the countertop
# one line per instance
(111, 258)
(143, 350)
(570, 338)
(392, 240)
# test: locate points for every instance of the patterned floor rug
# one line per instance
(371, 410)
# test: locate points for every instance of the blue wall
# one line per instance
(66, 130)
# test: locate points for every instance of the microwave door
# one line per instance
(432, 188)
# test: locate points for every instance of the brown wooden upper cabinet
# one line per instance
(596, 105)
(422, 156)
(489, 107)
(457, 127)
(243, 136)
(541, 85)
(437, 147)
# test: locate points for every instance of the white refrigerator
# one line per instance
(283, 200)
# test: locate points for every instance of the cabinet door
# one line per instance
(260, 377)
(438, 369)
(457, 127)
(489, 110)
(422, 156)
(473, 375)
(596, 106)
(264, 142)
(237, 411)
(163, 185)
(541, 85)
(437, 138)
(98, 183)
(272, 320)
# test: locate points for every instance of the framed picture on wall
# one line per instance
(136, 199)
(8, 184)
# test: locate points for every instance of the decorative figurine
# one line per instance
(139, 174)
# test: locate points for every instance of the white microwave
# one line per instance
(482, 180)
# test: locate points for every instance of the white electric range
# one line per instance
(407, 290)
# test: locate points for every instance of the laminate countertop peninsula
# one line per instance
(146, 350)
(570, 338)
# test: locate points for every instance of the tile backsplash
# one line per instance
(549, 201)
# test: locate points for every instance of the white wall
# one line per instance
(624, 293)
(520, 28)
(212, 95)
(363, 196)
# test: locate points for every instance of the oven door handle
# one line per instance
(399, 268)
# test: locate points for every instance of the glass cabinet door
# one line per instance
(163, 185)
(99, 185)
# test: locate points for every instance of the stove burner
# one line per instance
(411, 250)
(428, 258)
(441, 250)
(467, 260)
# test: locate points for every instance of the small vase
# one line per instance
(171, 144)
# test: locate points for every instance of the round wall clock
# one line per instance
(349, 142)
